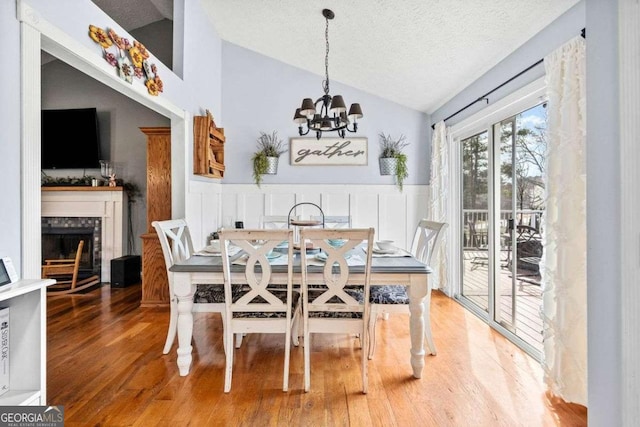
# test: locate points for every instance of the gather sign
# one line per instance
(328, 151)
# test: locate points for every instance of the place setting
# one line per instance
(213, 249)
(386, 248)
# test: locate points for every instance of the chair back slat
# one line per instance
(334, 296)
(426, 239)
(257, 295)
(334, 221)
(269, 222)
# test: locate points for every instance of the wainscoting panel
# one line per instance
(278, 203)
(393, 214)
(338, 203)
(364, 209)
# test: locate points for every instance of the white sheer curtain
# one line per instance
(438, 202)
(565, 246)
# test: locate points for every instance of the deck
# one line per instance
(528, 323)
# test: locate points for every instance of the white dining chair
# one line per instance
(177, 246)
(259, 306)
(270, 222)
(334, 221)
(394, 298)
(330, 303)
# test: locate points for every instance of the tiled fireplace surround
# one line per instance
(101, 208)
(59, 228)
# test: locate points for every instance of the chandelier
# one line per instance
(328, 113)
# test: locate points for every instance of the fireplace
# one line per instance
(60, 238)
(102, 208)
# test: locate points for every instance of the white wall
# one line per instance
(606, 398)
(261, 94)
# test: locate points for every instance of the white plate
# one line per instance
(212, 249)
(383, 251)
(273, 255)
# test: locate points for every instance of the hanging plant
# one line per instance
(392, 160)
(265, 160)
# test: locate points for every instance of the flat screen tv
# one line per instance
(70, 139)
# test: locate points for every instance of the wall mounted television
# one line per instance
(70, 139)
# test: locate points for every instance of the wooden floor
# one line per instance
(105, 366)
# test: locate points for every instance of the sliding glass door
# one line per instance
(502, 194)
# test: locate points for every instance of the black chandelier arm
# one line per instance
(304, 133)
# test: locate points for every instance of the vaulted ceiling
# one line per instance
(417, 53)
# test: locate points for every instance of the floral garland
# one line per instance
(135, 64)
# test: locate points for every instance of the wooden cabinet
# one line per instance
(208, 147)
(27, 302)
(155, 287)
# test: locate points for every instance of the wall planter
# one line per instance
(272, 165)
(387, 165)
(265, 160)
(392, 160)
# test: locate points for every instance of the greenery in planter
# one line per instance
(69, 181)
(269, 145)
(392, 148)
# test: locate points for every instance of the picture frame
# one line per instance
(328, 151)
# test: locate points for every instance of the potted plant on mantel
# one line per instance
(265, 160)
(392, 160)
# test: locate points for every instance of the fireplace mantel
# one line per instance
(107, 203)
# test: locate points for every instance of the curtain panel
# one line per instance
(565, 245)
(438, 202)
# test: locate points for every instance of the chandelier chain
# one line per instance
(325, 84)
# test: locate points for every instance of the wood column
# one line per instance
(155, 286)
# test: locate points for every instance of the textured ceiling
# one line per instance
(418, 53)
(132, 14)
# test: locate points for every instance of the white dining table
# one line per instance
(405, 270)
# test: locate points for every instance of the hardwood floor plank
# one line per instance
(105, 365)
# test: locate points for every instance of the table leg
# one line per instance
(417, 293)
(184, 291)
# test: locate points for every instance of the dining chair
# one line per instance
(395, 299)
(258, 307)
(334, 221)
(331, 302)
(269, 222)
(177, 246)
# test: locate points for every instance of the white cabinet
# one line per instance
(27, 300)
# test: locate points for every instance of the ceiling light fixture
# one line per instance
(332, 114)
